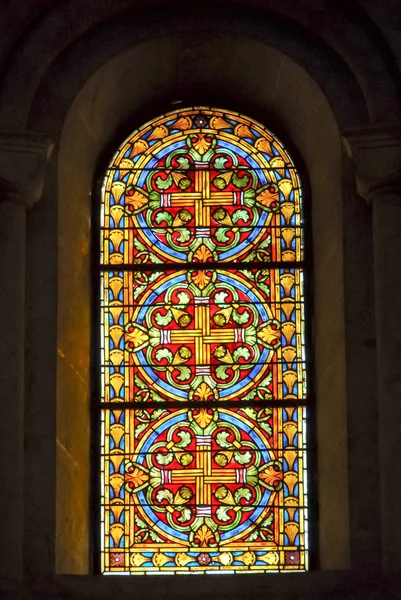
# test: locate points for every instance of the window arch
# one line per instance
(203, 376)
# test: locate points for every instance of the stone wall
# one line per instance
(323, 77)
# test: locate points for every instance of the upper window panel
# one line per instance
(201, 185)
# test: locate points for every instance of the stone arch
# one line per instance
(329, 40)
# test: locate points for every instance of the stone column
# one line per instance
(23, 160)
(376, 153)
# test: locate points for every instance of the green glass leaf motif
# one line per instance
(265, 243)
(221, 234)
(241, 352)
(250, 257)
(250, 395)
(165, 459)
(163, 319)
(241, 318)
(183, 298)
(240, 215)
(164, 353)
(221, 439)
(154, 276)
(243, 458)
(165, 495)
(250, 198)
(155, 259)
(139, 428)
(157, 413)
(248, 274)
(185, 439)
(154, 199)
(220, 162)
(253, 536)
(184, 184)
(266, 427)
(184, 235)
(139, 246)
(185, 373)
(184, 353)
(220, 298)
(219, 183)
(186, 514)
(268, 521)
(139, 383)
(240, 182)
(222, 513)
(140, 522)
(250, 412)
(264, 288)
(221, 372)
(183, 163)
(156, 397)
(164, 184)
(154, 537)
(242, 493)
(164, 217)
(267, 380)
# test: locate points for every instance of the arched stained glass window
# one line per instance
(203, 382)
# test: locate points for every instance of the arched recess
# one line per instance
(128, 88)
(330, 33)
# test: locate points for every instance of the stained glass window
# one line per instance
(203, 378)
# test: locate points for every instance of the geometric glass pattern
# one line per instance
(203, 361)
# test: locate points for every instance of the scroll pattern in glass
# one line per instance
(203, 364)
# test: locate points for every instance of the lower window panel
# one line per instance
(204, 490)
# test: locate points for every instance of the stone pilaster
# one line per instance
(23, 160)
(376, 153)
